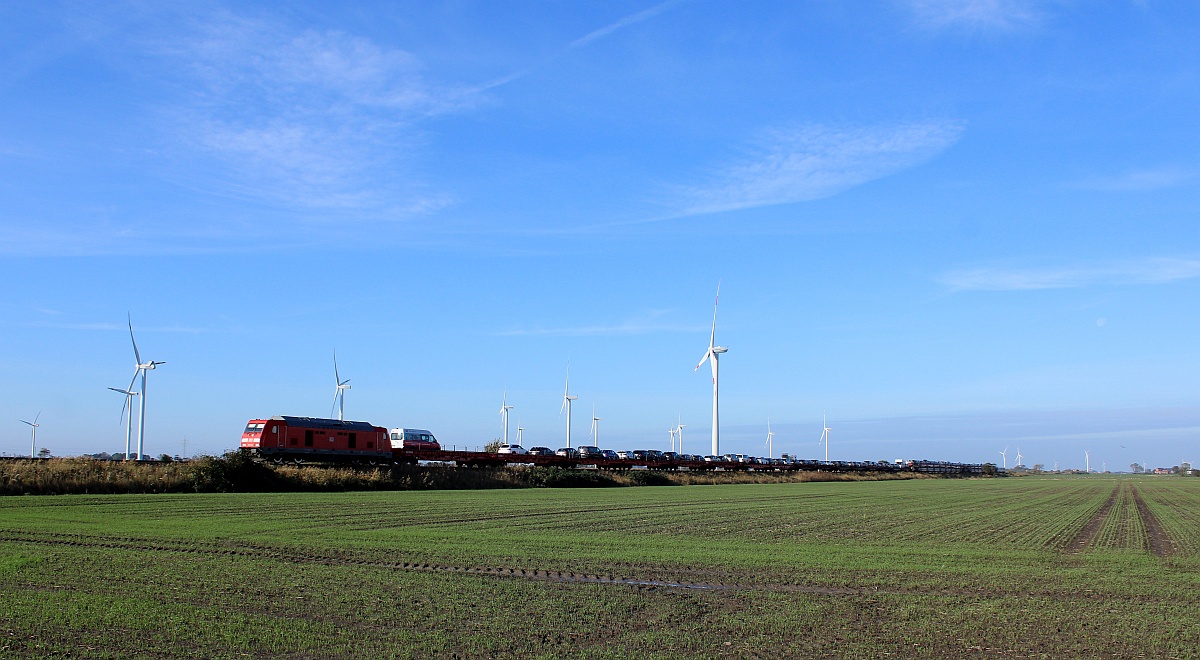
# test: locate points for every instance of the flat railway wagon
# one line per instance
(303, 440)
(299, 440)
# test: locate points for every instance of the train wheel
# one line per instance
(278, 460)
(298, 461)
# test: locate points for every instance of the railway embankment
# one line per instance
(237, 472)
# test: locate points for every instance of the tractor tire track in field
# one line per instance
(346, 559)
(1159, 541)
(1084, 538)
(342, 559)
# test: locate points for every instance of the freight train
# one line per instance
(303, 440)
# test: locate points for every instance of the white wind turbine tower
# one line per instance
(129, 394)
(672, 432)
(504, 408)
(520, 430)
(567, 399)
(595, 427)
(770, 444)
(711, 355)
(1005, 455)
(339, 392)
(1087, 458)
(33, 427)
(1019, 458)
(679, 432)
(825, 435)
(141, 369)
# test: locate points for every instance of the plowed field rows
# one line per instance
(1035, 566)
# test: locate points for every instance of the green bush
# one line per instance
(648, 478)
(234, 472)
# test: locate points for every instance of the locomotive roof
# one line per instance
(318, 423)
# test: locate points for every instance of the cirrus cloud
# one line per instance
(795, 164)
(1147, 271)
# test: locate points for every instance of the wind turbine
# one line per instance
(595, 427)
(141, 369)
(339, 392)
(672, 432)
(711, 356)
(770, 444)
(825, 435)
(504, 408)
(679, 432)
(33, 427)
(1019, 458)
(1087, 457)
(567, 399)
(129, 394)
(520, 431)
(1005, 455)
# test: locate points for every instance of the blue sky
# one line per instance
(952, 226)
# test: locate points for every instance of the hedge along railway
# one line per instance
(308, 440)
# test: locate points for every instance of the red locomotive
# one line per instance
(301, 439)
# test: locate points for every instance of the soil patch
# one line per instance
(1159, 541)
(1084, 538)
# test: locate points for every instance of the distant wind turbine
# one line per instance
(679, 433)
(567, 399)
(141, 368)
(339, 391)
(520, 430)
(711, 356)
(33, 427)
(1020, 458)
(595, 427)
(672, 432)
(1087, 458)
(825, 435)
(504, 408)
(129, 394)
(1005, 455)
(770, 444)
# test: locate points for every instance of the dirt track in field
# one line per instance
(342, 558)
(1083, 540)
(1160, 542)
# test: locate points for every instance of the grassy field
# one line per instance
(1030, 567)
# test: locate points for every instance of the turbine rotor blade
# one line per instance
(136, 354)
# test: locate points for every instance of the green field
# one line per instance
(1070, 567)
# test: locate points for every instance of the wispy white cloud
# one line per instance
(624, 22)
(1003, 15)
(649, 323)
(1140, 180)
(112, 327)
(786, 165)
(1148, 271)
(316, 119)
(593, 36)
